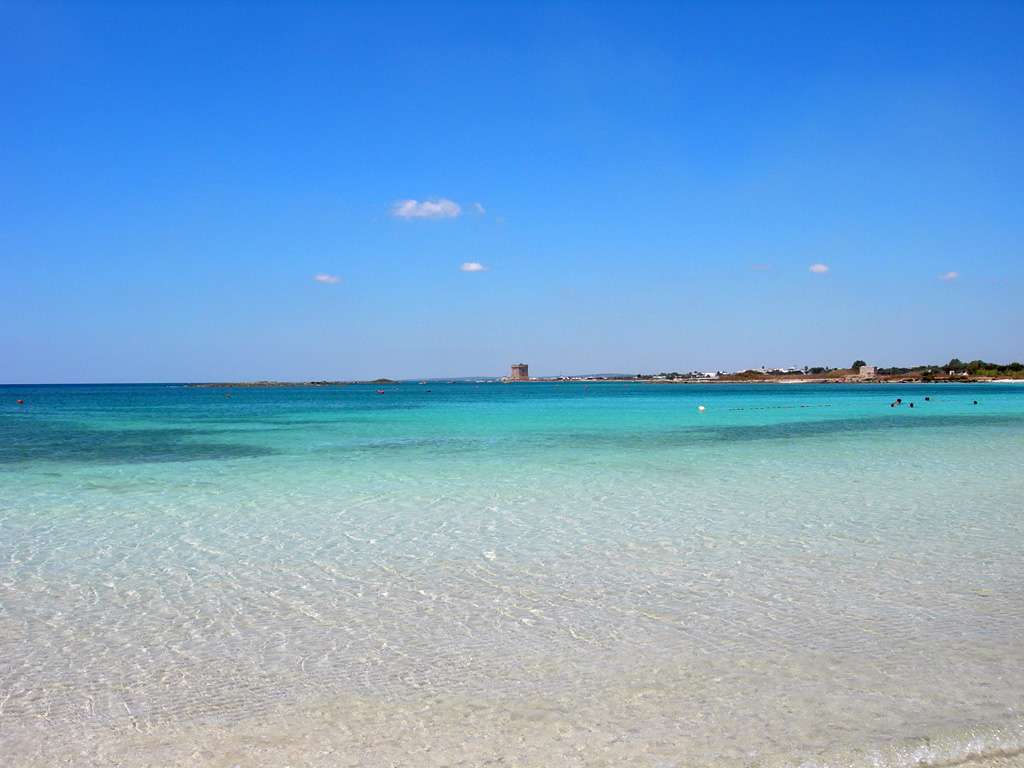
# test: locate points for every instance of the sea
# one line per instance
(531, 574)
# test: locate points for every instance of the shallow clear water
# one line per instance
(542, 573)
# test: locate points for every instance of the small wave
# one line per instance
(949, 748)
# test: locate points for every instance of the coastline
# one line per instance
(586, 380)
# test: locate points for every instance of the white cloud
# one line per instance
(442, 208)
(479, 208)
(819, 269)
(327, 279)
(473, 266)
(949, 276)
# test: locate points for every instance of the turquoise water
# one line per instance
(538, 573)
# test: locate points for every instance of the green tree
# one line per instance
(857, 364)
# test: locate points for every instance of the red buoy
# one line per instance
(380, 391)
(21, 402)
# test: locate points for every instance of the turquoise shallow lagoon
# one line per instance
(532, 574)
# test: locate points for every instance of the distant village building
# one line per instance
(866, 371)
(520, 372)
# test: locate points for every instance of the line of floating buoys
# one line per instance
(781, 407)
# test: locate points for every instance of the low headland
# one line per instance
(281, 384)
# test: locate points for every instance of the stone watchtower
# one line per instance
(520, 372)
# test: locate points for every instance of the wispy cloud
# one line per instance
(326, 279)
(442, 208)
(478, 207)
(949, 276)
(819, 269)
(473, 266)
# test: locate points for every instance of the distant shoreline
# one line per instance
(728, 379)
(782, 380)
(281, 384)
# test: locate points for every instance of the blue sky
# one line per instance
(646, 187)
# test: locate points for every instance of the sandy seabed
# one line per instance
(522, 732)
